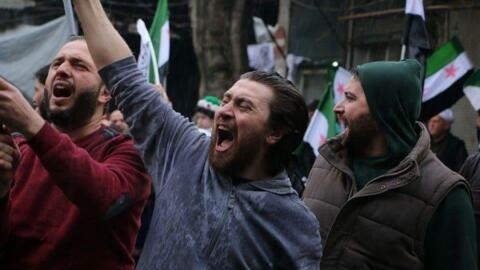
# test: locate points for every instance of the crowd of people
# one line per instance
(102, 173)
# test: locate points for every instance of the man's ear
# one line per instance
(104, 95)
(274, 136)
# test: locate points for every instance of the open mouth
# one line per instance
(62, 90)
(224, 140)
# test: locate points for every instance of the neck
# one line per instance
(78, 132)
(440, 137)
(376, 147)
(256, 171)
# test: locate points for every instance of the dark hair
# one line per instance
(312, 106)
(288, 112)
(42, 73)
(209, 113)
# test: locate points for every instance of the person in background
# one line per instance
(74, 196)
(312, 107)
(302, 158)
(449, 148)
(383, 200)
(204, 113)
(117, 122)
(221, 202)
(39, 87)
(471, 171)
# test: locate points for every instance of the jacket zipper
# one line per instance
(216, 235)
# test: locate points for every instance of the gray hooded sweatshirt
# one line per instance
(204, 220)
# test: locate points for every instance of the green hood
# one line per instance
(393, 92)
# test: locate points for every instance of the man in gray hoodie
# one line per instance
(223, 202)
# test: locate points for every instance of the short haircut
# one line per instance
(288, 113)
(42, 73)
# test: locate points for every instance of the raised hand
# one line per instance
(16, 112)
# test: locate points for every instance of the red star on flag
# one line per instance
(451, 71)
(341, 88)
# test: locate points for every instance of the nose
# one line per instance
(225, 111)
(339, 109)
(63, 69)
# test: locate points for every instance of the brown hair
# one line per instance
(288, 113)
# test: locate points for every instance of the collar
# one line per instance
(279, 184)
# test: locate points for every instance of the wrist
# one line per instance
(33, 128)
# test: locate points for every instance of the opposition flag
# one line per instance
(160, 35)
(323, 124)
(447, 70)
(340, 80)
(416, 42)
(472, 89)
(147, 57)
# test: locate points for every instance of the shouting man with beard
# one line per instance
(73, 196)
(383, 199)
(223, 202)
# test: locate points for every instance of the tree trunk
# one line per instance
(220, 30)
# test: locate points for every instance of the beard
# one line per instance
(238, 157)
(79, 114)
(360, 133)
(43, 106)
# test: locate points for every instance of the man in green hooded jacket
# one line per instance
(383, 199)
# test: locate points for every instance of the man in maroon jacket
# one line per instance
(75, 199)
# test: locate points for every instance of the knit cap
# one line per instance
(208, 105)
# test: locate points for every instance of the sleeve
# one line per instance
(163, 136)
(471, 173)
(450, 241)
(467, 167)
(119, 177)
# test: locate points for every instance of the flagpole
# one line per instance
(406, 36)
(154, 63)
(72, 29)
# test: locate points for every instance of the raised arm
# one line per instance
(162, 136)
(104, 42)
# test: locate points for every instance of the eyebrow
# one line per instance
(244, 99)
(72, 59)
(76, 60)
